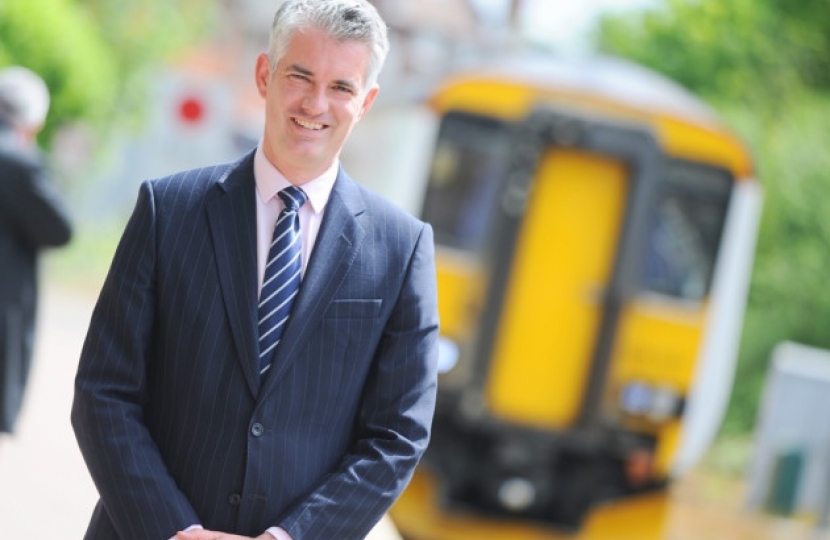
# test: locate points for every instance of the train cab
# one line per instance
(595, 227)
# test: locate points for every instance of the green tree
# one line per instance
(62, 44)
(789, 299)
(741, 49)
(803, 28)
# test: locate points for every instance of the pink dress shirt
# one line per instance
(269, 181)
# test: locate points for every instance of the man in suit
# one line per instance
(32, 217)
(180, 424)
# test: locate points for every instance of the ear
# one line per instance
(368, 100)
(262, 73)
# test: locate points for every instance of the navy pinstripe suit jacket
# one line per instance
(172, 418)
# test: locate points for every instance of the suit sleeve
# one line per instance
(138, 494)
(30, 203)
(395, 416)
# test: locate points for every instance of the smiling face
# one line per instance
(313, 99)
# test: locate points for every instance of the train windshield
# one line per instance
(467, 169)
(685, 231)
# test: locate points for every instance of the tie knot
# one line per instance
(293, 197)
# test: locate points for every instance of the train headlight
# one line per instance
(636, 398)
(447, 354)
(665, 404)
(517, 494)
(656, 403)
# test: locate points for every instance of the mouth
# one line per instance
(313, 126)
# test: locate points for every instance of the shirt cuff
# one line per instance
(279, 533)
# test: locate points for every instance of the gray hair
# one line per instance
(24, 98)
(343, 20)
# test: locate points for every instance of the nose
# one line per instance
(314, 101)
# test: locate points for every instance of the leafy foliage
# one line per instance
(789, 299)
(54, 39)
(741, 49)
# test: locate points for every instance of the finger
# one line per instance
(196, 535)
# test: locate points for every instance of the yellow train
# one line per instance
(595, 228)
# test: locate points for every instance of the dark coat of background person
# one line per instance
(32, 217)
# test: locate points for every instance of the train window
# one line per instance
(685, 231)
(467, 168)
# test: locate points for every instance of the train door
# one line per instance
(574, 208)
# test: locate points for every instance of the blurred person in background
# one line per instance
(32, 217)
(193, 421)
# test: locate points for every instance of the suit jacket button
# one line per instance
(257, 430)
(234, 499)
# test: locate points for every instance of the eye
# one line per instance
(344, 88)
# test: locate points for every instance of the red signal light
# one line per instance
(191, 110)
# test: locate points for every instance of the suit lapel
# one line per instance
(232, 217)
(338, 242)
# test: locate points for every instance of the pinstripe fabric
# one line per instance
(173, 420)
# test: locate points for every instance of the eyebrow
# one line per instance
(304, 71)
(309, 73)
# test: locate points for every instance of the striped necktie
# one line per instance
(282, 275)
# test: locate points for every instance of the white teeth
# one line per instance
(309, 125)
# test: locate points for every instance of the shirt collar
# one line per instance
(269, 181)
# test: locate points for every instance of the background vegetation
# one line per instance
(765, 66)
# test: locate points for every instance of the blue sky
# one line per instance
(564, 24)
